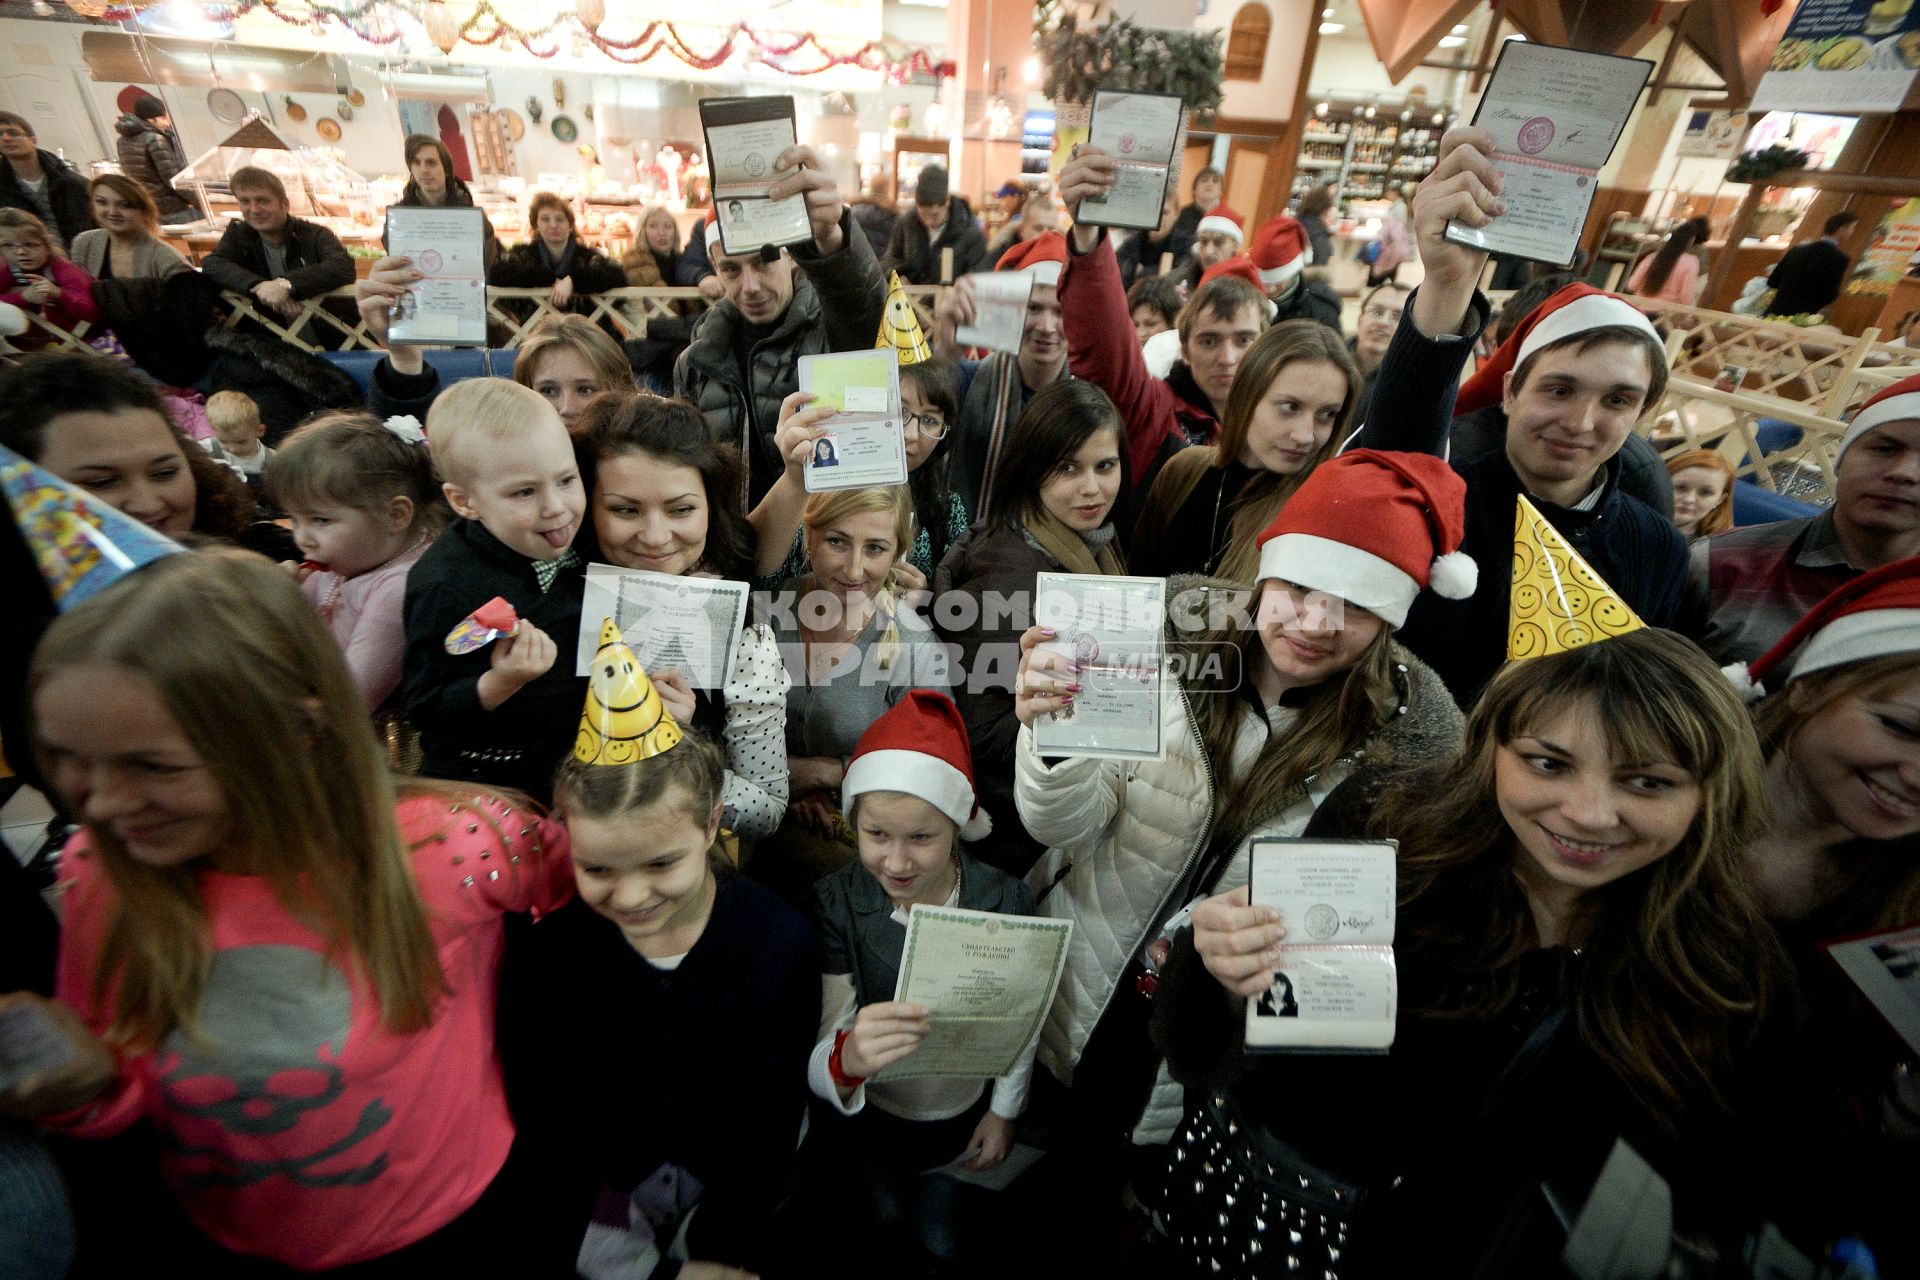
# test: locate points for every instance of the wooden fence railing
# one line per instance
(1812, 378)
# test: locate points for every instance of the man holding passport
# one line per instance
(743, 358)
(1578, 378)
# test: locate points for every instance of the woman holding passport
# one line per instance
(660, 498)
(1580, 958)
(1277, 694)
(1062, 471)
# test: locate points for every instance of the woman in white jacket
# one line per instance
(1276, 696)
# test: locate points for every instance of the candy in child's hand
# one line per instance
(483, 626)
(498, 615)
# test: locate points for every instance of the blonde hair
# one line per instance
(472, 419)
(582, 336)
(231, 410)
(21, 220)
(249, 672)
(896, 500)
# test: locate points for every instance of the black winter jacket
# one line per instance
(917, 258)
(151, 157)
(66, 192)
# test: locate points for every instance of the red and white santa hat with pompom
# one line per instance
(1374, 528)
(919, 748)
(1874, 616)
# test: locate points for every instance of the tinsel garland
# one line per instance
(487, 26)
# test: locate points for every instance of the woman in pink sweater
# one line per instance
(284, 967)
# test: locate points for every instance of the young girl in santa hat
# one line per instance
(909, 797)
(1841, 730)
(1287, 689)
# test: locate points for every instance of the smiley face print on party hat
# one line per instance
(625, 719)
(1558, 602)
(81, 545)
(900, 325)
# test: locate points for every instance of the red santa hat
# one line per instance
(1875, 615)
(1280, 250)
(919, 748)
(1375, 529)
(1042, 257)
(1574, 310)
(1240, 266)
(1898, 403)
(1223, 221)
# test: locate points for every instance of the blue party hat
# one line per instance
(82, 545)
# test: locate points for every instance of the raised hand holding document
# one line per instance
(1555, 116)
(865, 443)
(1111, 628)
(1140, 131)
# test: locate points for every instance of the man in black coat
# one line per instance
(272, 256)
(940, 221)
(1808, 276)
(1583, 373)
(41, 182)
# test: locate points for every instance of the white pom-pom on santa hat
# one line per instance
(919, 748)
(1374, 528)
(1454, 575)
(1741, 679)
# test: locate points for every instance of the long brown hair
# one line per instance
(1677, 962)
(1335, 718)
(1260, 500)
(257, 684)
(1885, 887)
(1684, 237)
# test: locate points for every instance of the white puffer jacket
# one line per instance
(1124, 836)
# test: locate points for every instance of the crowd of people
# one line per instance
(408, 923)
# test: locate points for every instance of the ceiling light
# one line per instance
(1332, 28)
(1460, 30)
(1452, 42)
(1327, 12)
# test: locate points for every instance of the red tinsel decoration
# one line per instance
(488, 27)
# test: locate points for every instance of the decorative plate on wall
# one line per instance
(227, 106)
(565, 129)
(328, 128)
(516, 127)
(355, 98)
(296, 112)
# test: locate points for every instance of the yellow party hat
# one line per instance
(1558, 602)
(900, 325)
(625, 719)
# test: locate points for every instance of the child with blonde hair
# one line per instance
(364, 507)
(237, 434)
(282, 963)
(503, 714)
